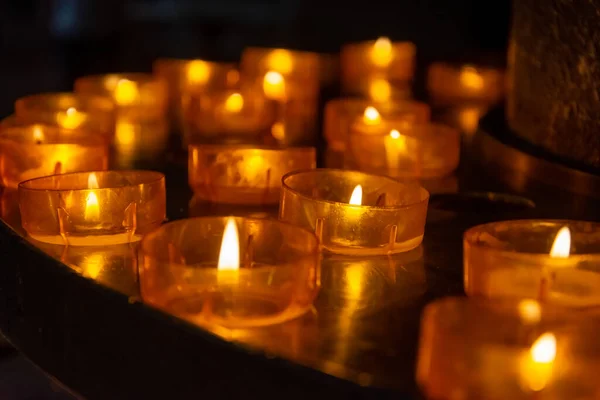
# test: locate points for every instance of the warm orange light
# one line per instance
(371, 116)
(394, 134)
(280, 60)
(356, 197)
(233, 77)
(125, 134)
(229, 256)
(468, 118)
(92, 265)
(278, 130)
(380, 90)
(381, 53)
(561, 248)
(274, 85)
(70, 119)
(126, 92)
(38, 135)
(530, 311)
(92, 208)
(234, 103)
(470, 78)
(536, 367)
(198, 72)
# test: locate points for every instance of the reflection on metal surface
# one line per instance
(198, 207)
(113, 266)
(525, 167)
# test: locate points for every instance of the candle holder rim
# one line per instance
(414, 130)
(246, 146)
(424, 198)
(58, 135)
(471, 234)
(182, 62)
(108, 105)
(149, 252)
(158, 177)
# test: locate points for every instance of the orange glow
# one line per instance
(394, 134)
(229, 256)
(38, 135)
(126, 92)
(70, 119)
(198, 72)
(380, 90)
(381, 53)
(274, 85)
(233, 77)
(92, 208)
(371, 116)
(356, 197)
(278, 130)
(536, 367)
(281, 61)
(234, 103)
(530, 311)
(471, 79)
(561, 248)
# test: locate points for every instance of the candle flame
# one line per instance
(70, 119)
(280, 60)
(394, 134)
(234, 103)
(356, 197)
(278, 130)
(371, 116)
(530, 311)
(470, 78)
(198, 72)
(92, 181)
(537, 364)
(38, 135)
(561, 248)
(274, 85)
(229, 256)
(126, 92)
(543, 350)
(380, 90)
(381, 53)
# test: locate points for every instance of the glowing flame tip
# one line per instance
(229, 255)
(561, 248)
(356, 197)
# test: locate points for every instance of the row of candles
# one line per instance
(245, 272)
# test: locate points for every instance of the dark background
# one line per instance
(45, 44)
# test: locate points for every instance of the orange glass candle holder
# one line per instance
(455, 84)
(230, 271)
(550, 260)
(185, 77)
(35, 150)
(244, 174)
(355, 213)
(228, 116)
(342, 113)
(69, 111)
(302, 65)
(136, 94)
(506, 350)
(92, 208)
(383, 60)
(407, 151)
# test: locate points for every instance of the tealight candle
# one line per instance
(378, 68)
(452, 84)
(230, 272)
(408, 151)
(69, 111)
(301, 65)
(192, 77)
(228, 116)
(35, 150)
(135, 94)
(506, 350)
(552, 261)
(92, 208)
(138, 139)
(355, 213)
(242, 174)
(341, 114)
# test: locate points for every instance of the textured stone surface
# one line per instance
(554, 76)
